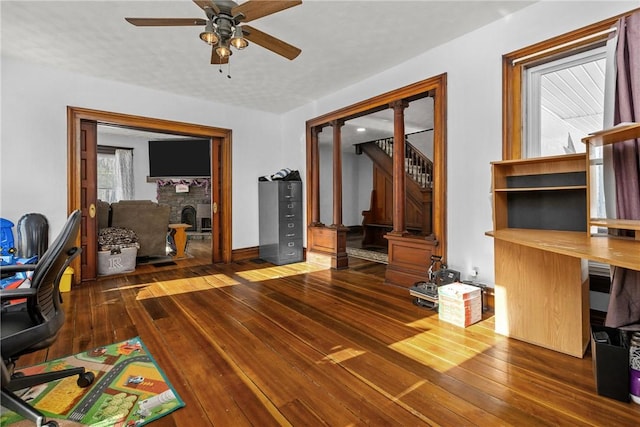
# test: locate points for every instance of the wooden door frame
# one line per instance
(437, 87)
(76, 114)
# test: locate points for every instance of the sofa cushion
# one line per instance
(149, 220)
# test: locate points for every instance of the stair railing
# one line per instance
(416, 164)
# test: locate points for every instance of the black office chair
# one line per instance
(34, 324)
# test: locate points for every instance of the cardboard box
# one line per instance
(117, 261)
(65, 282)
(610, 363)
(460, 304)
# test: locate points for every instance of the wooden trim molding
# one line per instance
(435, 87)
(74, 179)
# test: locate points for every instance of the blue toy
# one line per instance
(7, 255)
(6, 238)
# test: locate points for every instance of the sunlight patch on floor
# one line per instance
(340, 355)
(182, 286)
(269, 273)
(437, 352)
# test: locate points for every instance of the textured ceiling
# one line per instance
(342, 43)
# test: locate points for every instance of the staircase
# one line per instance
(378, 219)
(417, 166)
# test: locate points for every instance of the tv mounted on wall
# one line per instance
(180, 158)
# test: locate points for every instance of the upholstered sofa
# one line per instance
(149, 220)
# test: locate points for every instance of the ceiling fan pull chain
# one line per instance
(229, 69)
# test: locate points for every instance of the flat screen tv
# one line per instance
(180, 158)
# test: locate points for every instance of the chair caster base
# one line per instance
(85, 379)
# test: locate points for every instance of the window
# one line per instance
(115, 173)
(515, 65)
(564, 102)
(106, 177)
(553, 96)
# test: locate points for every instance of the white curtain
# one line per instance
(124, 175)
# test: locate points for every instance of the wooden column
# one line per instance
(328, 245)
(315, 181)
(399, 194)
(337, 174)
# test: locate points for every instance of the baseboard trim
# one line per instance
(245, 253)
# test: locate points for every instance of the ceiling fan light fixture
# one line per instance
(208, 35)
(223, 51)
(238, 41)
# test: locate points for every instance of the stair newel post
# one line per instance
(399, 195)
(337, 173)
(315, 181)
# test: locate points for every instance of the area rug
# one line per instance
(129, 390)
(368, 255)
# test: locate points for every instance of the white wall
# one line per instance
(34, 140)
(474, 84)
(357, 182)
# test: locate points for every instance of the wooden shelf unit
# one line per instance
(618, 224)
(619, 133)
(541, 271)
(541, 193)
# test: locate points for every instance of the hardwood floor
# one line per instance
(254, 344)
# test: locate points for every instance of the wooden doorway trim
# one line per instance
(221, 157)
(436, 87)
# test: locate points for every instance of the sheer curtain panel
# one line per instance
(124, 174)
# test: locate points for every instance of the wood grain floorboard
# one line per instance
(252, 344)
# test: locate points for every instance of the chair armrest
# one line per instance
(9, 294)
(16, 268)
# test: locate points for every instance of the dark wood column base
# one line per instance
(328, 246)
(409, 258)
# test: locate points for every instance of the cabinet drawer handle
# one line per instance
(290, 235)
(290, 206)
(291, 244)
(291, 254)
(291, 225)
(289, 216)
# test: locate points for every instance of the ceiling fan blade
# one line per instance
(254, 9)
(165, 22)
(269, 42)
(204, 4)
(215, 58)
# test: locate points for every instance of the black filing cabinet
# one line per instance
(281, 221)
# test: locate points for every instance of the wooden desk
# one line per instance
(542, 283)
(179, 234)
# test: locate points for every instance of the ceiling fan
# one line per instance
(222, 27)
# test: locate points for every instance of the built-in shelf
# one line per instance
(621, 132)
(541, 193)
(522, 189)
(540, 210)
(618, 224)
(618, 133)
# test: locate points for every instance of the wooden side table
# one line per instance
(179, 234)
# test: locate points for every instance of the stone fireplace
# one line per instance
(188, 216)
(184, 205)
